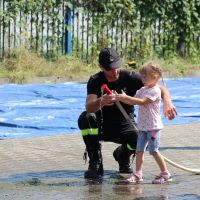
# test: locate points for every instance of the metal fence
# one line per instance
(43, 31)
(72, 29)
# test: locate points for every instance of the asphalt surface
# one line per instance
(52, 167)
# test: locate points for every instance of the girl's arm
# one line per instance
(169, 109)
(132, 100)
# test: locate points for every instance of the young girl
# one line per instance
(149, 121)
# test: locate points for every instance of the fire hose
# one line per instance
(126, 116)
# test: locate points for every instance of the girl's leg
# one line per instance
(137, 175)
(160, 161)
(141, 147)
(154, 141)
(164, 176)
(139, 162)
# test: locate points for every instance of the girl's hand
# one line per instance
(169, 110)
(120, 97)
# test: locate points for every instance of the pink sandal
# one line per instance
(164, 177)
(135, 178)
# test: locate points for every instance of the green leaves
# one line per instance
(152, 25)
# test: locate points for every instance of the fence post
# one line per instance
(68, 23)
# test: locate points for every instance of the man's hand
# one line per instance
(169, 109)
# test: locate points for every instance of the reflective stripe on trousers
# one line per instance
(89, 131)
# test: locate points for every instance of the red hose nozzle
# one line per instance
(105, 88)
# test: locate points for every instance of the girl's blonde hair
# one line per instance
(151, 67)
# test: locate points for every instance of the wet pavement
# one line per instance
(52, 167)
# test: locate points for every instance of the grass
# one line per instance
(22, 66)
(177, 66)
(180, 67)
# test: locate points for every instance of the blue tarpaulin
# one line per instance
(48, 109)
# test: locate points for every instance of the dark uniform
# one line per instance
(109, 124)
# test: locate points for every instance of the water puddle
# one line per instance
(178, 197)
(71, 184)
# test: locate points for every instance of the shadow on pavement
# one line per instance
(181, 148)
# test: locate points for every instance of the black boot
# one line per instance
(95, 168)
(122, 156)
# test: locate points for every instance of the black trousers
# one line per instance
(120, 133)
